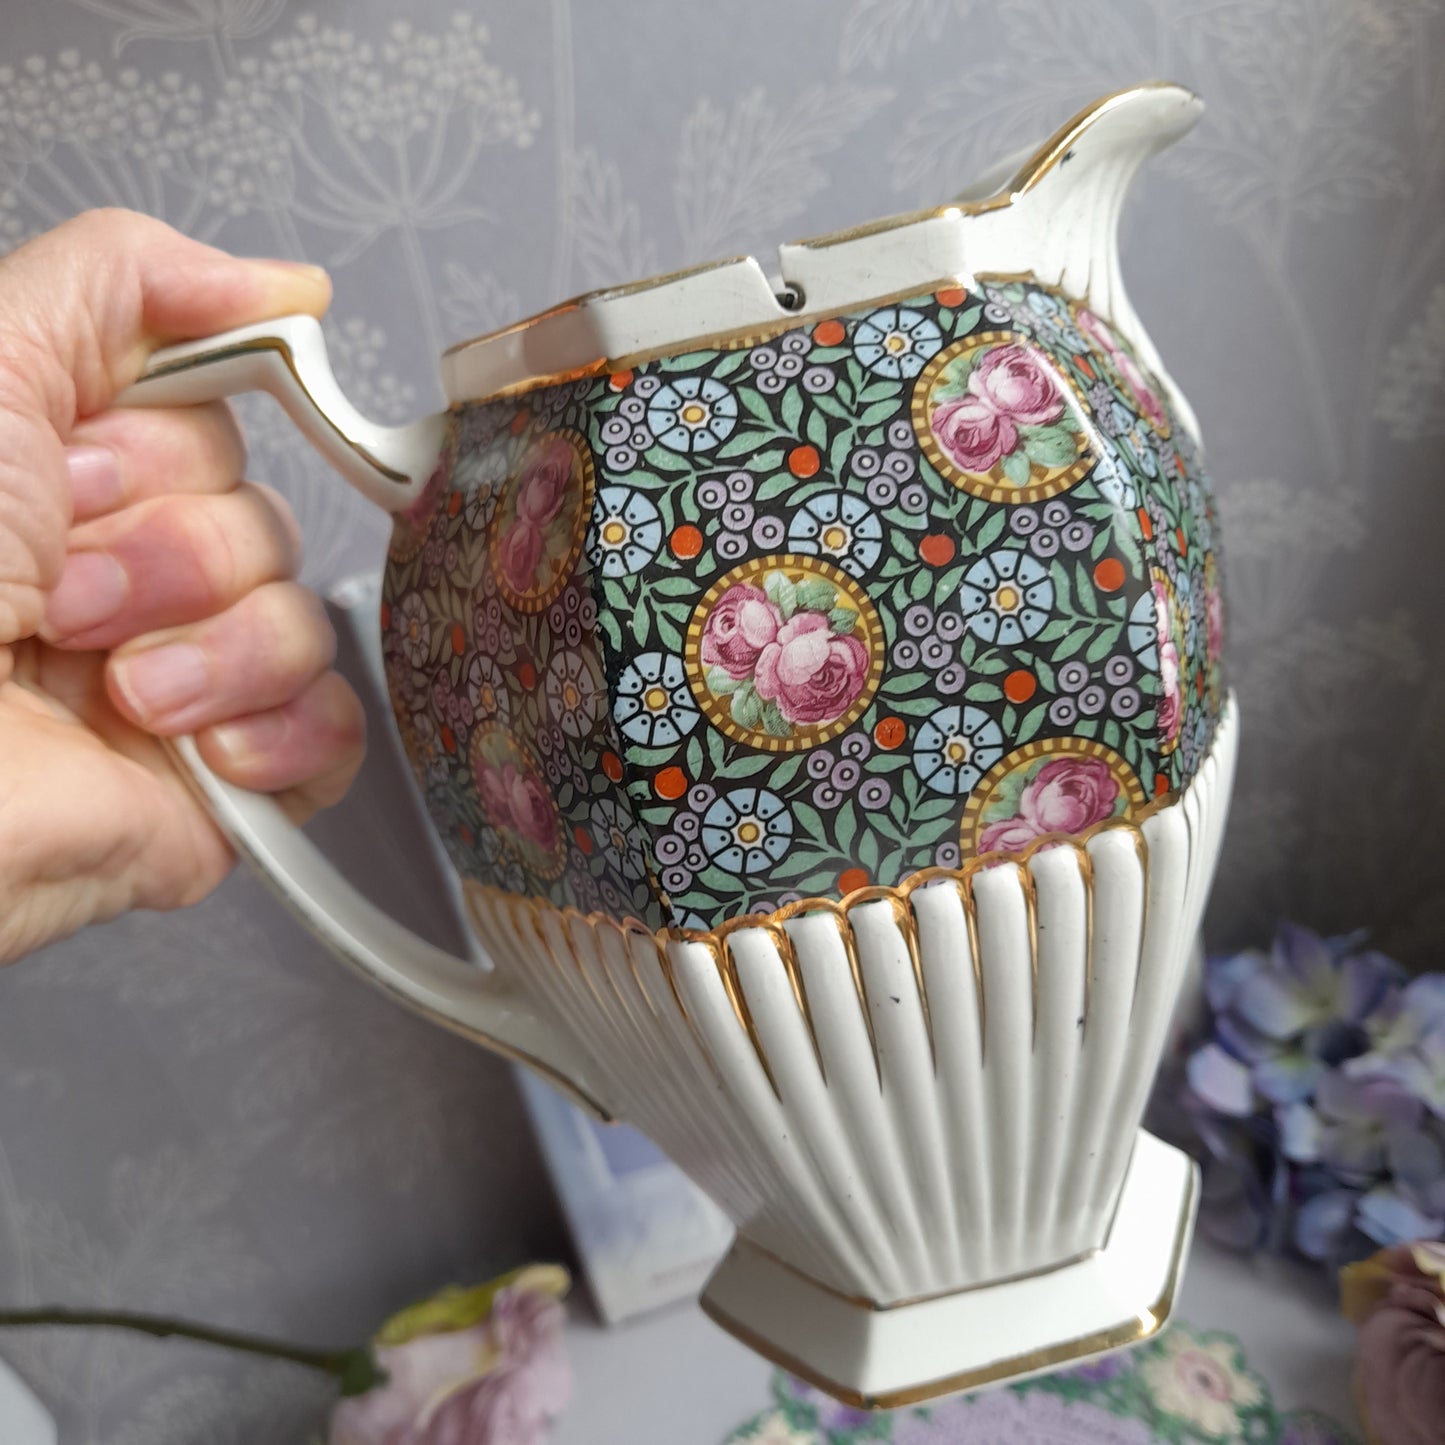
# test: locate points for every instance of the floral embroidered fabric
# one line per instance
(791, 616)
(1183, 1387)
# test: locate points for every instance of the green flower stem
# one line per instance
(342, 1364)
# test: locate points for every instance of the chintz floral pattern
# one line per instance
(1185, 1387)
(816, 610)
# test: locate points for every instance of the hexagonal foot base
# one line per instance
(989, 1333)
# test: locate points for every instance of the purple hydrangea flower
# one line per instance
(1317, 1106)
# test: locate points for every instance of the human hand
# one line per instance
(146, 589)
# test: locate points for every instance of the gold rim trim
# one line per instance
(880, 1307)
(283, 350)
(717, 941)
(1048, 155)
(993, 486)
(1133, 1331)
(716, 709)
(971, 826)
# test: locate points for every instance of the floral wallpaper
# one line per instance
(248, 1132)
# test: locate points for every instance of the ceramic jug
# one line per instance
(817, 687)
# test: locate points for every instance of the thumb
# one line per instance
(81, 308)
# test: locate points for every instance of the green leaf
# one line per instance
(641, 625)
(806, 816)
(921, 586)
(782, 593)
(1099, 648)
(989, 532)
(968, 319)
(742, 442)
(792, 409)
(845, 827)
(878, 412)
(817, 430)
(756, 405)
(722, 683)
(842, 619)
(1050, 446)
(774, 723)
(668, 632)
(983, 692)
(694, 754)
(1016, 468)
(1033, 721)
(816, 594)
(664, 459)
(746, 707)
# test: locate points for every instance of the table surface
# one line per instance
(675, 1378)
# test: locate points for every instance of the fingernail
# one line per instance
(251, 737)
(293, 278)
(93, 587)
(94, 479)
(162, 679)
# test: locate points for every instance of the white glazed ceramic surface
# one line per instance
(920, 1107)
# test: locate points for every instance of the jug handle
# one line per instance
(390, 465)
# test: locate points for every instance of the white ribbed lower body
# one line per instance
(916, 1094)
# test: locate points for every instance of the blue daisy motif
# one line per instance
(653, 704)
(896, 342)
(619, 839)
(747, 829)
(625, 534)
(1006, 596)
(692, 413)
(1112, 478)
(955, 748)
(838, 526)
(1144, 632)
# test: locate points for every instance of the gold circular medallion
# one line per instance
(538, 528)
(1000, 421)
(1055, 787)
(516, 800)
(784, 652)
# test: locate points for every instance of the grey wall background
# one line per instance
(199, 1112)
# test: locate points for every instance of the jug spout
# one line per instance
(1058, 206)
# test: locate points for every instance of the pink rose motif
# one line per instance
(1010, 387)
(1214, 613)
(738, 628)
(973, 434)
(495, 787)
(1012, 835)
(1397, 1300)
(1171, 705)
(1144, 394)
(518, 552)
(543, 482)
(501, 1381)
(1017, 384)
(1069, 795)
(1097, 328)
(810, 671)
(1064, 796)
(1126, 366)
(533, 816)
